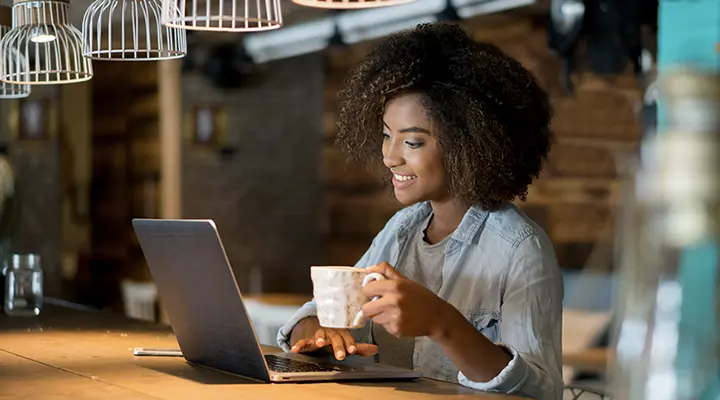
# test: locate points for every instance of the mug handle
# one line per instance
(373, 276)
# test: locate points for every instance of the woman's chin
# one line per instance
(406, 199)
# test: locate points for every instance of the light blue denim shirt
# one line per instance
(501, 273)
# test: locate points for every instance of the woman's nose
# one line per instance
(392, 155)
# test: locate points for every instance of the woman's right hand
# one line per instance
(309, 336)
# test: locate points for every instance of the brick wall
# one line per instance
(266, 196)
(577, 195)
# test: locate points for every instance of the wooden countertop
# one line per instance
(75, 354)
(594, 360)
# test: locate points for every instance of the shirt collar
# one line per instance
(466, 232)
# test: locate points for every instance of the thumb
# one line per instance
(386, 270)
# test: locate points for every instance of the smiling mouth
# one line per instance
(402, 181)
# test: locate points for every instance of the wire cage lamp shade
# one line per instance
(10, 90)
(350, 4)
(130, 30)
(49, 45)
(223, 15)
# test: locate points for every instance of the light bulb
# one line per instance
(42, 38)
(41, 35)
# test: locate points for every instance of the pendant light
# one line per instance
(130, 30)
(223, 15)
(10, 90)
(350, 4)
(49, 45)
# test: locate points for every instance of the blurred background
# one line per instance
(254, 151)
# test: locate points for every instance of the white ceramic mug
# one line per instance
(339, 296)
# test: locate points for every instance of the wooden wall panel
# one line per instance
(125, 175)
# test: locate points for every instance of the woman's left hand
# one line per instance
(405, 308)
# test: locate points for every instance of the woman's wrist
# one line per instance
(304, 328)
(445, 320)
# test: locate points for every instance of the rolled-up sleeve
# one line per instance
(283, 337)
(530, 324)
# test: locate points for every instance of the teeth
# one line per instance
(404, 177)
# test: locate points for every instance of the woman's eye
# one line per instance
(385, 136)
(414, 145)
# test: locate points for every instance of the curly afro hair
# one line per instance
(491, 116)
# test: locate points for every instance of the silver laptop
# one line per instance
(206, 310)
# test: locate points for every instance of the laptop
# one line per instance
(205, 308)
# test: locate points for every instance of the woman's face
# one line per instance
(411, 152)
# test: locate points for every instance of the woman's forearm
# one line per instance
(479, 359)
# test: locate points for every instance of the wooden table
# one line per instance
(72, 354)
(593, 360)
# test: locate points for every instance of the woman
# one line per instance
(474, 291)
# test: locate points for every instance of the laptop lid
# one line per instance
(200, 295)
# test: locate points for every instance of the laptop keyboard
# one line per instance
(283, 364)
